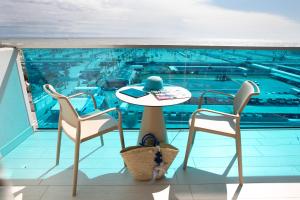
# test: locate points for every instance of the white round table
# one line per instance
(153, 119)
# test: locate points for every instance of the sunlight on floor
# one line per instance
(269, 158)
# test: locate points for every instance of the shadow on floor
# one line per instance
(192, 183)
(189, 184)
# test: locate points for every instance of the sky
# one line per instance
(258, 20)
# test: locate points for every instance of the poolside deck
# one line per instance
(271, 162)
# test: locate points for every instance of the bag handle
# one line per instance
(149, 140)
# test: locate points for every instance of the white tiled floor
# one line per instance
(271, 162)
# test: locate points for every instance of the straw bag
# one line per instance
(140, 160)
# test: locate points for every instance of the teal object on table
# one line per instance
(153, 83)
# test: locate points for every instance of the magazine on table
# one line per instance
(169, 93)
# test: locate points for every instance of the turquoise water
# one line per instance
(102, 71)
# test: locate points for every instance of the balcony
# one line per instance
(99, 46)
(270, 123)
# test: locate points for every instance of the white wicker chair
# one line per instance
(82, 128)
(222, 123)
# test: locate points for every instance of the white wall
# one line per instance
(14, 123)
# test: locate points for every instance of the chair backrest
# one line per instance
(243, 96)
(67, 112)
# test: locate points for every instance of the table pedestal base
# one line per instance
(153, 122)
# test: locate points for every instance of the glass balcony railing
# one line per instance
(102, 71)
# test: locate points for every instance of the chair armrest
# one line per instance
(212, 91)
(101, 113)
(212, 111)
(216, 112)
(83, 93)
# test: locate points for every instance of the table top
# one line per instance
(151, 100)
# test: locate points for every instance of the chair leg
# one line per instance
(102, 140)
(58, 144)
(193, 140)
(239, 154)
(75, 167)
(188, 147)
(121, 137)
(122, 140)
